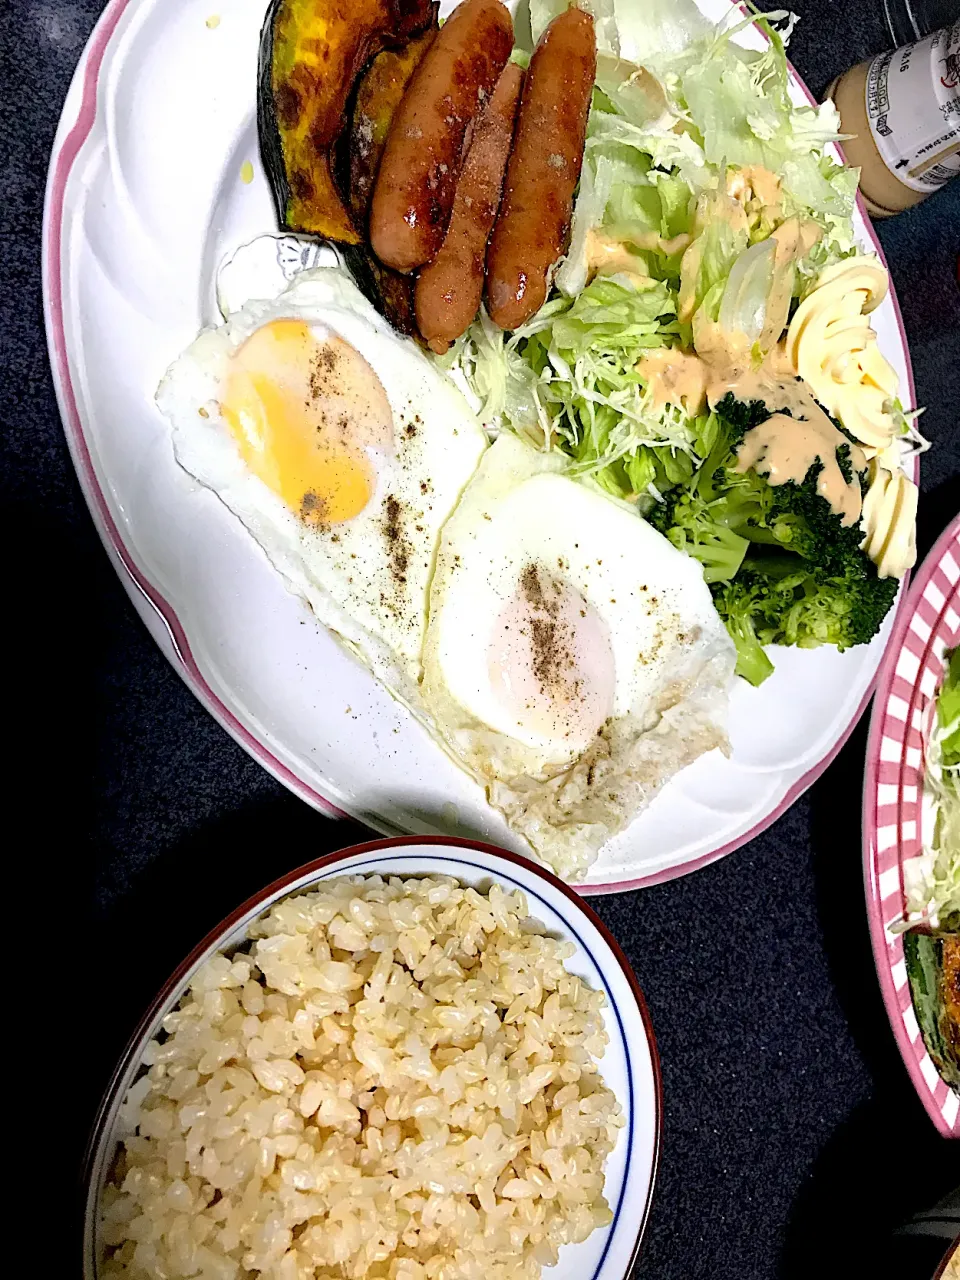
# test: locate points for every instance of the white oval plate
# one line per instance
(145, 198)
(630, 1066)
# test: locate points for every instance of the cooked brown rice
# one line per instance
(398, 1082)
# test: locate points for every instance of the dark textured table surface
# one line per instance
(793, 1145)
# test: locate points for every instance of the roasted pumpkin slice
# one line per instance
(381, 87)
(311, 54)
(389, 291)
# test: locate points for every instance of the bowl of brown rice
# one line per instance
(415, 1059)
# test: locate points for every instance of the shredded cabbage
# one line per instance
(569, 378)
(653, 33)
(932, 881)
(679, 112)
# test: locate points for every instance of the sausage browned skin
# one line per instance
(418, 174)
(531, 231)
(449, 289)
(379, 95)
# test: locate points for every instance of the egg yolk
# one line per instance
(306, 411)
(550, 661)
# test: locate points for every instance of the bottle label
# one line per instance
(913, 105)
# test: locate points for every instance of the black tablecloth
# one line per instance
(793, 1145)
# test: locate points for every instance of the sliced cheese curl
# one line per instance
(833, 348)
(889, 521)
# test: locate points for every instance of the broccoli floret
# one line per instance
(844, 610)
(741, 415)
(789, 602)
(742, 603)
(702, 530)
(803, 521)
(837, 612)
(710, 519)
(782, 566)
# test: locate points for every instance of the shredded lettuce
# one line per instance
(743, 305)
(670, 234)
(932, 880)
(653, 34)
(707, 208)
(948, 714)
(569, 379)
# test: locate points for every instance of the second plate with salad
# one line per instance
(719, 325)
(911, 833)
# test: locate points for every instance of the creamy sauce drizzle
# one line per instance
(795, 239)
(607, 256)
(675, 377)
(650, 240)
(792, 241)
(783, 448)
(754, 182)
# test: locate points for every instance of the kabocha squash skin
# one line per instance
(378, 95)
(311, 55)
(389, 291)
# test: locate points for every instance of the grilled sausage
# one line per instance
(418, 174)
(449, 289)
(531, 230)
(379, 95)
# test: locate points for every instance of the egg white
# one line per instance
(671, 655)
(344, 571)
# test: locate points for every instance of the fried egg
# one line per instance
(573, 659)
(340, 447)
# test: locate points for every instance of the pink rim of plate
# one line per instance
(439, 843)
(909, 676)
(144, 593)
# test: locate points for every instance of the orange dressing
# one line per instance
(785, 446)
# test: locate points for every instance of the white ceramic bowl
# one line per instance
(629, 1067)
